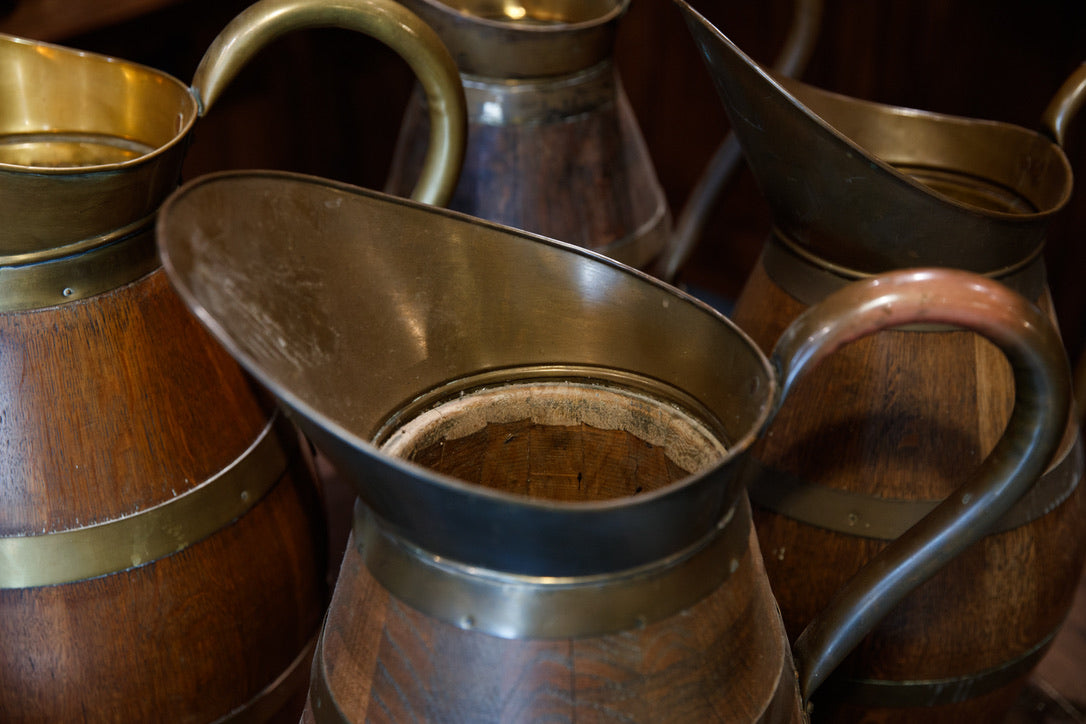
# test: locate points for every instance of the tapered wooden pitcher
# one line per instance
(553, 145)
(548, 448)
(889, 427)
(162, 540)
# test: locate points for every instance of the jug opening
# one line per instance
(538, 12)
(971, 190)
(68, 150)
(568, 440)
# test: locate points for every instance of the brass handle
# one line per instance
(1064, 105)
(1040, 414)
(385, 20)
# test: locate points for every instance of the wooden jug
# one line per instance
(548, 448)
(162, 540)
(890, 426)
(553, 145)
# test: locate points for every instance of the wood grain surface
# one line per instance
(908, 415)
(109, 406)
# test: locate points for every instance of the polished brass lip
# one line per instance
(187, 115)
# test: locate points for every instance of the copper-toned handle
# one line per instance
(387, 21)
(1064, 105)
(1041, 406)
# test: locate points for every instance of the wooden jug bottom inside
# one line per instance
(560, 440)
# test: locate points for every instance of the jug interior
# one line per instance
(568, 438)
(62, 109)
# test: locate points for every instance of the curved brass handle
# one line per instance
(1064, 105)
(1041, 407)
(385, 20)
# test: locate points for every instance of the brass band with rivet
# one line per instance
(518, 606)
(116, 545)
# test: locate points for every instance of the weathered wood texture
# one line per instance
(110, 406)
(719, 661)
(908, 414)
(554, 462)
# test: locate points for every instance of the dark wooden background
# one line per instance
(329, 102)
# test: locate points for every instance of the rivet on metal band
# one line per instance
(927, 693)
(78, 271)
(516, 606)
(117, 545)
(809, 279)
(868, 516)
(272, 698)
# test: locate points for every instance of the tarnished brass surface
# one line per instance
(870, 187)
(546, 607)
(91, 145)
(524, 38)
(144, 536)
(392, 301)
(46, 279)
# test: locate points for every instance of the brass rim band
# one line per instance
(868, 516)
(810, 279)
(117, 545)
(272, 698)
(92, 267)
(926, 693)
(516, 606)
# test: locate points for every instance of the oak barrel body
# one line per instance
(722, 657)
(723, 660)
(888, 425)
(163, 538)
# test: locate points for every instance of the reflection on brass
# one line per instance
(142, 537)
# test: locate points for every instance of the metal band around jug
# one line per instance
(117, 545)
(270, 701)
(809, 279)
(901, 694)
(517, 606)
(868, 516)
(77, 271)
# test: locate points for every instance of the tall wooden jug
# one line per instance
(553, 145)
(162, 541)
(890, 426)
(548, 448)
